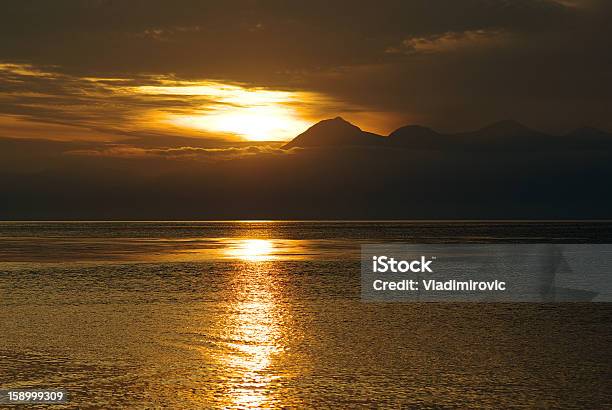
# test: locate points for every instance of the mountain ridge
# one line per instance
(501, 135)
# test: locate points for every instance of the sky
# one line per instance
(102, 70)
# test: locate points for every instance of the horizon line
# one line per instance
(290, 220)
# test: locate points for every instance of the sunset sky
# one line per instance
(266, 70)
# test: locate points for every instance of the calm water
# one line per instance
(253, 314)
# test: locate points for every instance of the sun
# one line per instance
(254, 114)
(259, 123)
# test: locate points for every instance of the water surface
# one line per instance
(268, 314)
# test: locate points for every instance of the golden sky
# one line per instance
(58, 106)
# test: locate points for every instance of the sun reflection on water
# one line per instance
(253, 250)
(254, 325)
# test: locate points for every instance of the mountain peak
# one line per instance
(415, 136)
(334, 122)
(334, 132)
(507, 128)
(417, 130)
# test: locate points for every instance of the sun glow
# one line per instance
(253, 250)
(258, 123)
(255, 114)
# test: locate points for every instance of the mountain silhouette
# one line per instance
(416, 137)
(506, 129)
(334, 132)
(506, 135)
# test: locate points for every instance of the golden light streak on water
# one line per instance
(255, 327)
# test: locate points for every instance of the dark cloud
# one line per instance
(213, 39)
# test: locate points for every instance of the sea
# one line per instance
(268, 314)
